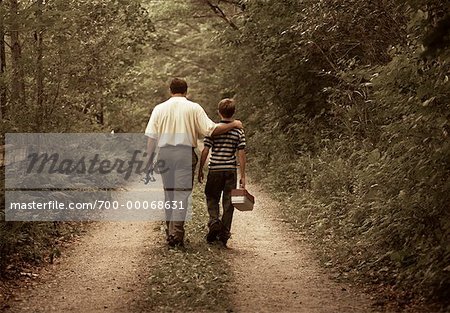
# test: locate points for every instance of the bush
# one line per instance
(353, 115)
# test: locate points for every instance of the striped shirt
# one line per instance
(223, 149)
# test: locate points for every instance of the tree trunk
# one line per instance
(3, 98)
(40, 110)
(17, 82)
(99, 107)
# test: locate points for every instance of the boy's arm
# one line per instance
(242, 161)
(203, 158)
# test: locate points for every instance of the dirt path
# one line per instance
(108, 270)
(275, 271)
(102, 273)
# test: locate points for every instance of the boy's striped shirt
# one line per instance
(223, 149)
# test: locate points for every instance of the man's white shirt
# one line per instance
(179, 121)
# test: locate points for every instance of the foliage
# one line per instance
(80, 51)
(346, 105)
(76, 69)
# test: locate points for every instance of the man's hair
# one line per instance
(227, 107)
(178, 85)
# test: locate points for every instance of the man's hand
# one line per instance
(242, 183)
(149, 176)
(238, 124)
(201, 176)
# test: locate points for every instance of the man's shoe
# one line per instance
(214, 230)
(174, 243)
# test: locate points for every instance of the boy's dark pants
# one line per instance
(220, 183)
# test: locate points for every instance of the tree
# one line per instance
(17, 81)
(38, 36)
(3, 88)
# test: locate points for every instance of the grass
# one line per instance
(193, 279)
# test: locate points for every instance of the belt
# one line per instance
(177, 147)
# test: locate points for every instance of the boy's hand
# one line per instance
(242, 183)
(201, 176)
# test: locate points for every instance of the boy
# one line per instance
(222, 174)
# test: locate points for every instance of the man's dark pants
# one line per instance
(178, 179)
(220, 183)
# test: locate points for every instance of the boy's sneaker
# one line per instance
(223, 237)
(215, 228)
(224, 241)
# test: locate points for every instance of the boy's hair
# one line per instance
(227, 107)
(178, 85)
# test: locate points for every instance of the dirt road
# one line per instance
(275, 271)
(104, 272)
(108, 270)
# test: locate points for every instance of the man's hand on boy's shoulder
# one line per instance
(238, 124)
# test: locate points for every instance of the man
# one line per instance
(175, 126)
